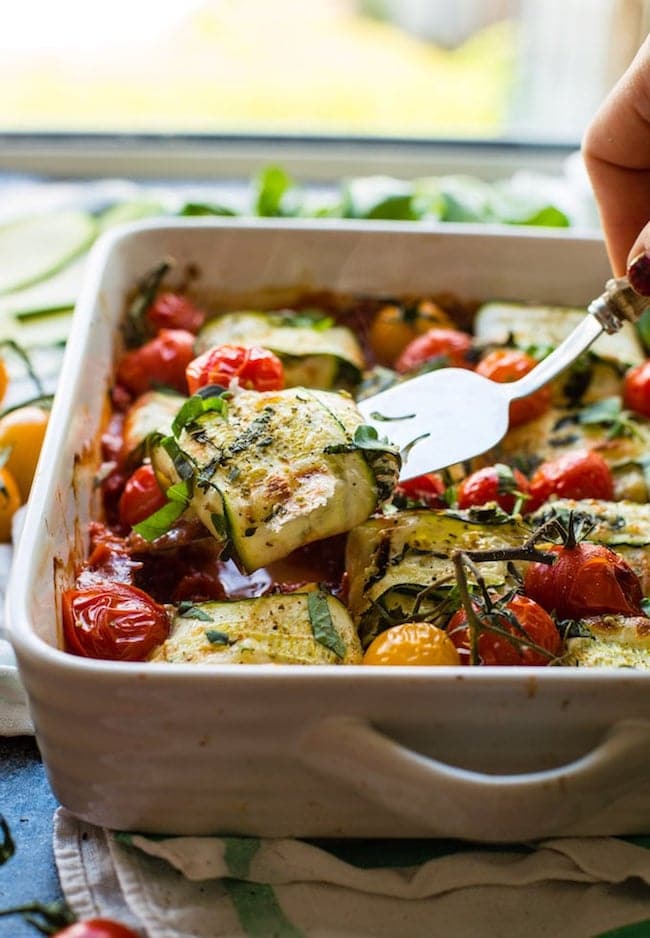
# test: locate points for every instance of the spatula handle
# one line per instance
(619, 303)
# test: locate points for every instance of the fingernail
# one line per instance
(638, 273)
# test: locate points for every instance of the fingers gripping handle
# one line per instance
(446, 801)
(619, 303)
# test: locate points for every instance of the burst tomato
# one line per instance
(142, 496)
(636, 389)
(532, 622)
(505, 365)
(174, 311)
(114, 621)
(394, 327)
(427, 489)
(498, 483)
(579, 474)
(451, 345)
(97, 928)
(585, 580)
(161, 362)
(413, 643)
(256, 368)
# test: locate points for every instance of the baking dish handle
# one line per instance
(448, 801)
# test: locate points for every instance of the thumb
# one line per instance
(638, 263)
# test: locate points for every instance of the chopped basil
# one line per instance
(377, 416)
(197, 405)
(609, 412)
(161, 521)
(645, 605)
(135, 327)
(215, 637)
(365, 438)
(188, 610)
(322, 625)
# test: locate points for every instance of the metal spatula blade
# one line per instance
(450, 415)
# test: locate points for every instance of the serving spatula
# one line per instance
(452, 414)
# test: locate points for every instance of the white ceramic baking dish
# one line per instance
(489, 753)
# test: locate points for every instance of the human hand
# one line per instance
(616, 150)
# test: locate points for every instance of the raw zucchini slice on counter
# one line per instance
(390, 562)
(270, 472)
(38, 247)
(315, 352)
(293, 628)
(540, 327)
(609, 642)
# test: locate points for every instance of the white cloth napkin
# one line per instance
(229, 887)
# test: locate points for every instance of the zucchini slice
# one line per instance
(314, 355)
(529, 326)
(293, 628)
(390, 562)
(609, 642)
(277, 470)
(153, 411)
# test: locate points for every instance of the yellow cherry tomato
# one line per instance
(10, 502)
(395, 326)
(21, 432)
(413, 643)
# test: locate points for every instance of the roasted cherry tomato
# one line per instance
(413, 643)
(427, 489)
(578, 474)
(504, 365)
(395, 326)
(114, 621)
(498, 483)
(142, 496)
(174, 311)
(22, 432)
(451, 345)
(161, 362)
(10, 502)
(256, 368)
(534, 623)
(4, 379)
(636, 389)
(585, 580)
(97, 928)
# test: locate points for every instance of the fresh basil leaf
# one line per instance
(606, 410)
(380, 197)
(194, 209)
(183, 465)
(276, 194)
(322, 625)
(135, 329)
(215, 637)
(382, 417)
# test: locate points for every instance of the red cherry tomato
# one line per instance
(499, 484)
(174, 311)
(451, 344)
(142, 496)
(579, 474)
(494, 649)
(636, 389)
(585, 580)
(161, 362)
(97, 928)
(114, 621)
(257, 368)
(427, 489)
(504, 365)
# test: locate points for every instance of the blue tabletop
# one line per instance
(28, 805)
